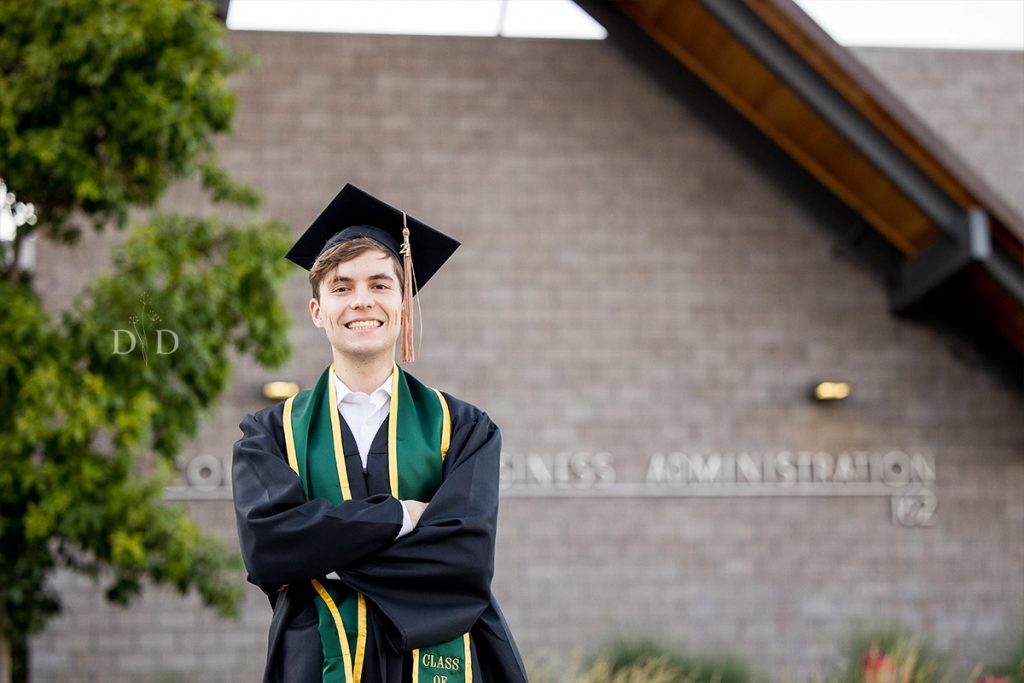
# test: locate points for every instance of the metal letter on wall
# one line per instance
(906, 478)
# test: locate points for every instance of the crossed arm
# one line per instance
(430, 585)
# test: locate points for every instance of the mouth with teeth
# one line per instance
(363, 324)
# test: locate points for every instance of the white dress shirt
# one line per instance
(363, 413)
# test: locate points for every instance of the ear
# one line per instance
(315, 313)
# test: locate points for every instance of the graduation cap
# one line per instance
(354, 213)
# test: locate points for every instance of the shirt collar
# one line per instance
(378, 396)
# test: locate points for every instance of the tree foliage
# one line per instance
(103, 104)
(76, 486)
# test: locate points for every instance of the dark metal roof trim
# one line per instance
(997, 207)
(793, 70)
(966, 234)
(942, 260)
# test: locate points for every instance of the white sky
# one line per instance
(516, 18)
(970, 24)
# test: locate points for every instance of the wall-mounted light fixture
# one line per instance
(830, 390)
(280, 390)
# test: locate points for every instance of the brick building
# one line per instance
(640, 296)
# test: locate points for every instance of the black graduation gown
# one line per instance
(429, 586)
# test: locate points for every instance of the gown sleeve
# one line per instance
(284, 538)
(433, 584)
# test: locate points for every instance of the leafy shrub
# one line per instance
(1011, 667)
(648, 656)
(890, 655)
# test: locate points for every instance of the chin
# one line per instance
(366, 353)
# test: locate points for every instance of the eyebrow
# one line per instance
(378, 276)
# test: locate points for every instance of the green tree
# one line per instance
(104, 104)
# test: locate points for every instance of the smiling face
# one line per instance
(360, 307)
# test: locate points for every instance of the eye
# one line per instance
(382, 285)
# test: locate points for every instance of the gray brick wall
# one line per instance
(974, 100)
(628, 283)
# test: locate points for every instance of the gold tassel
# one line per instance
(408, 352)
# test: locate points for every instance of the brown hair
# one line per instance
(328, 261)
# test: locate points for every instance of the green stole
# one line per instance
(419, 428)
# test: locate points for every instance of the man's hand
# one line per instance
(415, 509)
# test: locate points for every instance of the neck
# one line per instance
(363, 375)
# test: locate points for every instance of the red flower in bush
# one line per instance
(877, 667)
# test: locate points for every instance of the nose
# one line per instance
(362, 298)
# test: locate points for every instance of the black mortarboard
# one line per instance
(355, 213)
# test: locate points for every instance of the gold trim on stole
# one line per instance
(289, 439)
(346, 494)
(361, 638)
(338, 624)
(393, 434)
(339, 451)
(446, 435)
(351, 672)
(446, 425)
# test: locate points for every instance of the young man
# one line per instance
(367, 505)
